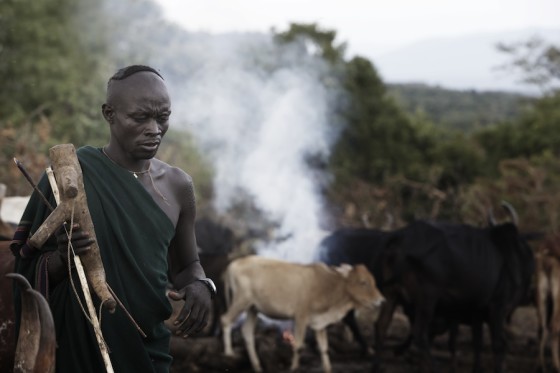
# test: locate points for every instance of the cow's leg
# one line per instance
(248, 331)
(452, 344)
(350, 321)
(541, 300)
(423, 316)
(300, 326)
(381, 327)
(405, 345)
(226, 335)
(476, 330)
(227, 319)
(555, 321)
(213, 328)
(322, 341)
(498, 336)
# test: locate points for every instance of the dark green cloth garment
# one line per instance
(133, 234)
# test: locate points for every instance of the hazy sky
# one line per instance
(370, 27)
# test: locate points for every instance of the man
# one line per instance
(143, 211)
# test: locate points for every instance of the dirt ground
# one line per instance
(204, 354)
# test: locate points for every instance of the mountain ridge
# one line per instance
(470, 62)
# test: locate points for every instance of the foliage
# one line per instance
(47, 70)
(530, 185)
(50, 87)
(538, 62)
(21, 142)
(410, 151)
(378, 140)
(533, 134)
(56, 58)
(315, 40)
(416, 165)
(462, 110)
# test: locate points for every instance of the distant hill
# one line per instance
(469, 62)
(464, 110)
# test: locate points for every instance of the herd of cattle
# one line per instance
(441, 275)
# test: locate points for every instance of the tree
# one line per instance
(46, 69)
(315, 41)
(378, 140)
(536, 60)
(51, 86)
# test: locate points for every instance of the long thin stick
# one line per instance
(85, 288)
(30, 180)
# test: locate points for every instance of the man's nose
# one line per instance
(152, 128)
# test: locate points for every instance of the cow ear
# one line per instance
(344, 269)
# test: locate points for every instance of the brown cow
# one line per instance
(7, 315)
(548, 292)
(35, 350)
(36, 345)
(314, 295)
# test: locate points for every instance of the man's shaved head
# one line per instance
(115, 83)
(125, 72)
(137, 111)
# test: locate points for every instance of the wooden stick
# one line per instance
(85, 288)
(73, 205)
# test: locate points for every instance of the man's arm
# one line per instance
(185, 269)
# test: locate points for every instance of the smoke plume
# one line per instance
(259, 111)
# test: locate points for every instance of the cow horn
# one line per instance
(390, 221)
(35, 351)
(365, 220)
(513, 214)
(491, 219)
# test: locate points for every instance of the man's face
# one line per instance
(138, 108)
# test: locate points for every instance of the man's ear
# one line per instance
(108, 113)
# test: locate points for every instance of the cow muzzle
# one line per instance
(375, 303)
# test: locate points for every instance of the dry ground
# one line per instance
(204, 354)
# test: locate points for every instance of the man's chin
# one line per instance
(144, 153)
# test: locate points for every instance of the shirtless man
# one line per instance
(143, 212)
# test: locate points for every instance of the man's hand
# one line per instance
(58, 260)
(193, 318)
(81, 241)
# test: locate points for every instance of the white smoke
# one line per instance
(258, 113)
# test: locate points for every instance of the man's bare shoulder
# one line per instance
(172, 174)
(176, 187)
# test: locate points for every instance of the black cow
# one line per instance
(366, 246)
(215, 242)
(352, 246)
(355, 246)
(461, 274)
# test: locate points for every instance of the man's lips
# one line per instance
(151, 145)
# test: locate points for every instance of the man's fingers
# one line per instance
(180, 320)
(201, 323)
(194, 315)
(189, 326)
(191, 320)
(65, 228)
(176, 295)
(82, 244)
